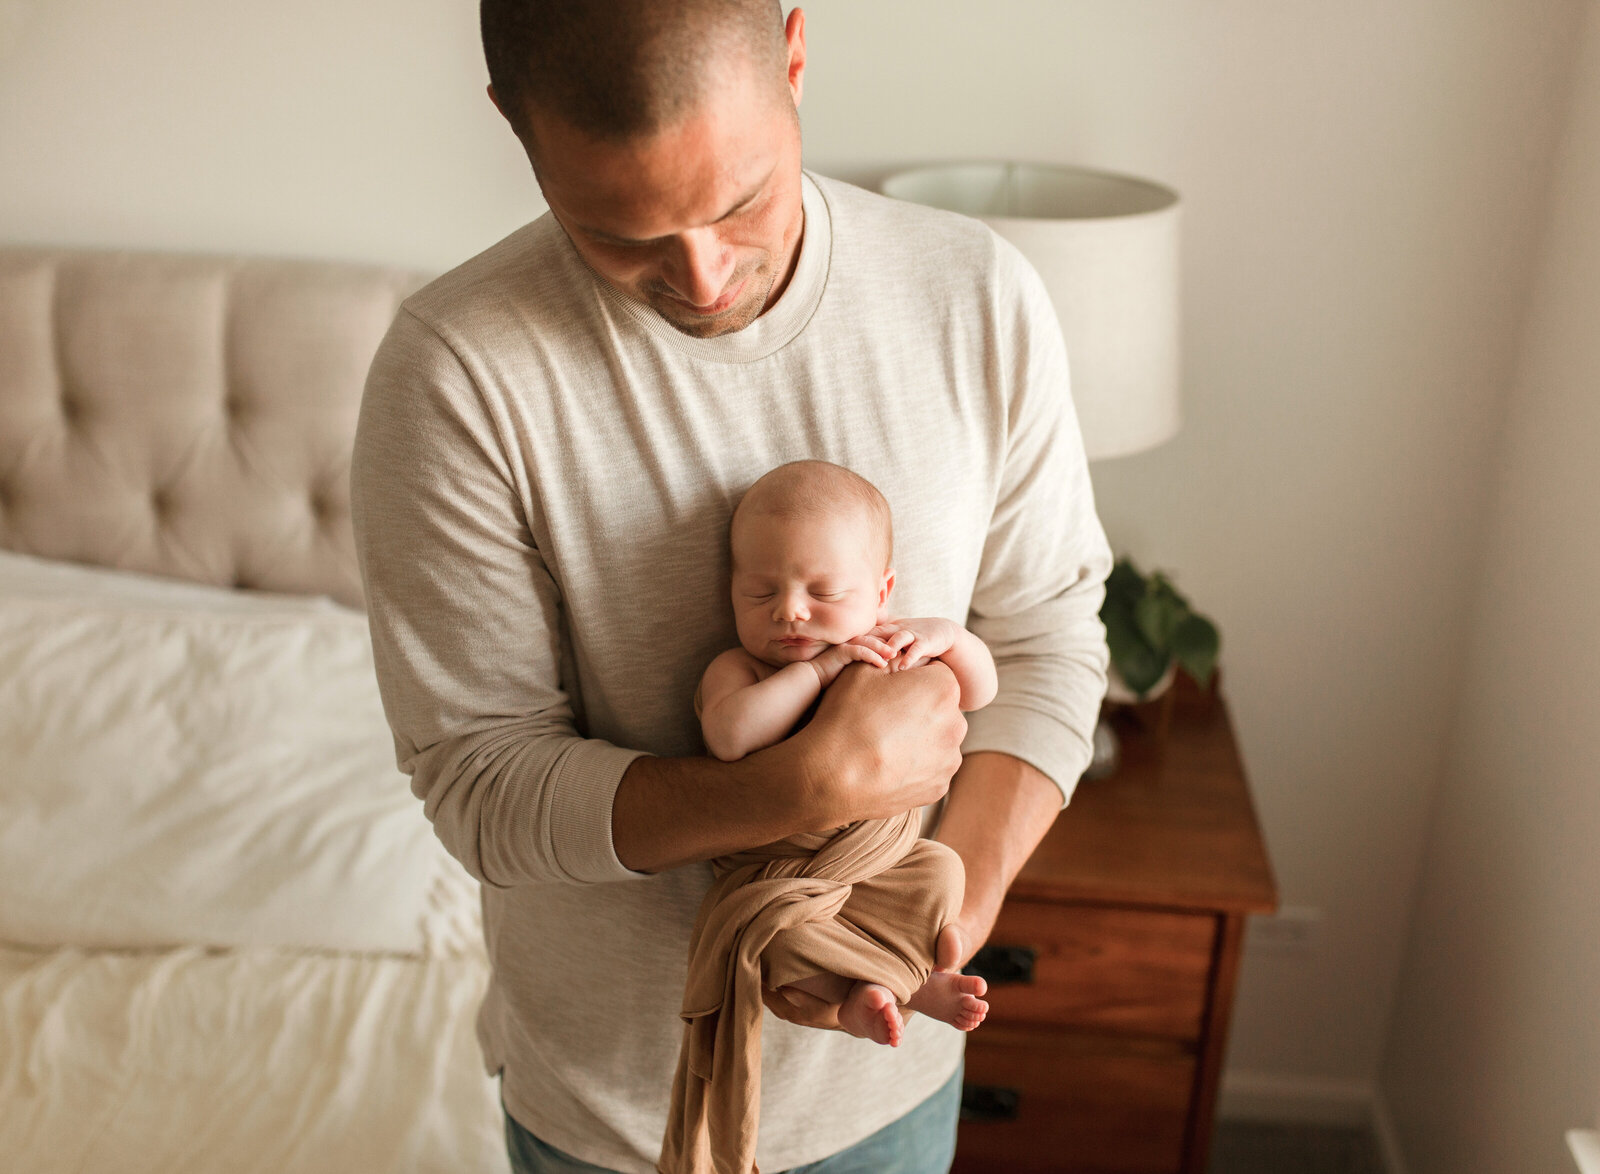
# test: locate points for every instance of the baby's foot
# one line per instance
(952, 998)
(869, 1011)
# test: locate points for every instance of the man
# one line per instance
(550, 444)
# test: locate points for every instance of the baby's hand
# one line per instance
(831, 663)
(885, 640)
(919, 641)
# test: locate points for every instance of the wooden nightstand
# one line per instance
(1112, 965)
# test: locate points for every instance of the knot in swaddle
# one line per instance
(779, 914)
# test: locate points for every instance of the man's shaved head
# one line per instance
(618, 69)
(808, 489)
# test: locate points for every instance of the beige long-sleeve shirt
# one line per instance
(541, 486)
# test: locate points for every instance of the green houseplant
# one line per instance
(1151, 628)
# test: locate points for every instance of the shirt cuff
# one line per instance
(582, 788)
(1045, 743)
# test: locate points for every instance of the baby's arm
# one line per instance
(945, 640)
(741, 712)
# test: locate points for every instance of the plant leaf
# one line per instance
(1161, 584)
(1125, 585)
(1139, 665)
(1158, 616)
(1195, 645)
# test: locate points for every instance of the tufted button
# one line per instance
(161, 501)
(71, 408)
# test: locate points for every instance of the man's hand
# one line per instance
(882, 743)
(961, 939)
(801, 1008)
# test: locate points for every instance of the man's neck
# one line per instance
(789, 264)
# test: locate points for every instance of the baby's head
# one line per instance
(811, 545)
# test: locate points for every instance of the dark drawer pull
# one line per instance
(988, 1102)
(1003, 964)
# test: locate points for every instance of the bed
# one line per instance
(229, 940)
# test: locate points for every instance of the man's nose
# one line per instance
(701, 268)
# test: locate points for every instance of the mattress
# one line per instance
(241, 1061)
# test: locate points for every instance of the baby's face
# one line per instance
(802, 585)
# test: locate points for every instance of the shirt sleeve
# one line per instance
(466, 630)
(1041, 580)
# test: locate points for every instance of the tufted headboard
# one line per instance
(187, 416)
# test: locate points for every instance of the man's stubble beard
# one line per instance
(732, 320)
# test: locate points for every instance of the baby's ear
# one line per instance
(883, 592)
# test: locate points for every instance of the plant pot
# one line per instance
(1117, 690)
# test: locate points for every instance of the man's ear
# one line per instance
(496, 101)
(794, 32)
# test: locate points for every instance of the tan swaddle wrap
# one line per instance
(866, 901)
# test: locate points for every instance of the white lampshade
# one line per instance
(1107, 249)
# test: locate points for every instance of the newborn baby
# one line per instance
(811, 544)
(848, 915)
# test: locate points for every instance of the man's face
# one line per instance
(803, 584)
(700, 221)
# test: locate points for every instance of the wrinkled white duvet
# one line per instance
(182, 764)
(241, 1061)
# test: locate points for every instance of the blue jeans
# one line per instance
(921, 1142)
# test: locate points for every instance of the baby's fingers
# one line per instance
(889, 632)
(875, 644)
(861, 652)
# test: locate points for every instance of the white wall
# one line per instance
(1363, 187)
(1495, 1048)
(1363, 182)
(321, 128)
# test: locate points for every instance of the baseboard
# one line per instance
(1312, 1100)
(1394, 1161)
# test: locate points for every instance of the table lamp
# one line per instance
(1107, 248)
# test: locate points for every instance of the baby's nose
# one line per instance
(792, 607)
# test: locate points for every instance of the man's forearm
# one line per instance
(674, 811)
(997, 811)
(880, 744)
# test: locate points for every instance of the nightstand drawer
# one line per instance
(1037, 1102)
(1125, 970)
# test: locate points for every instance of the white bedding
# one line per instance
(244, 1061)
(229, 941)
(183, 764)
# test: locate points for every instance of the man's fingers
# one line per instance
(800, 1008)
(947, 951)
